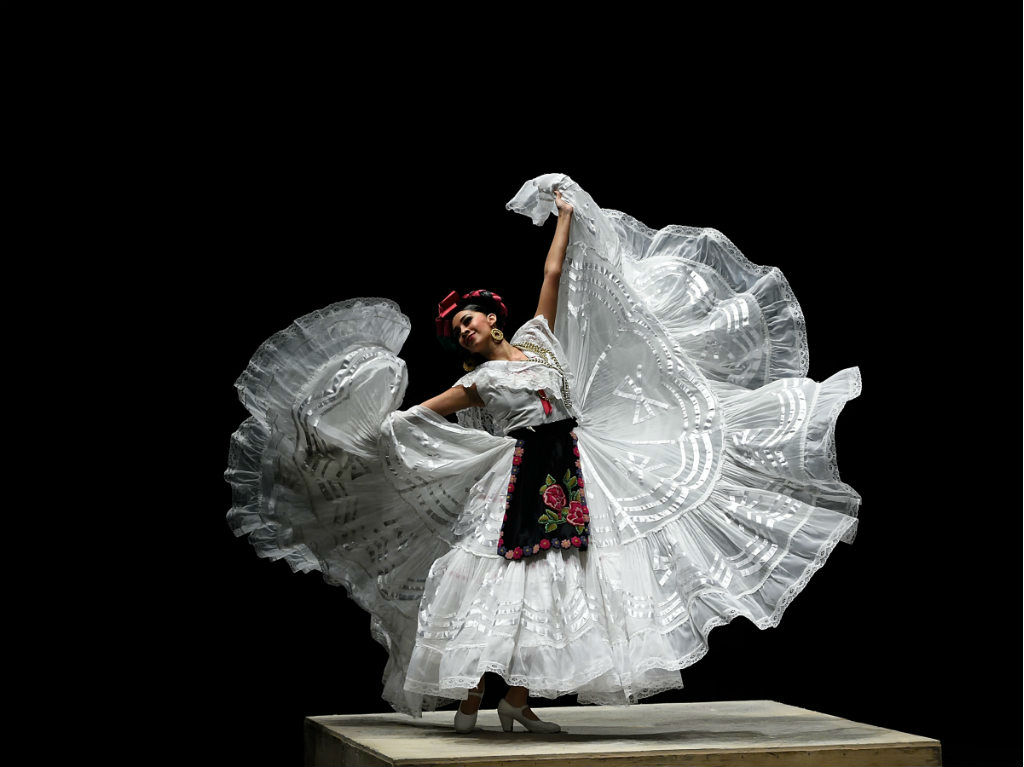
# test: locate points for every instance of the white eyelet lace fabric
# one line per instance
(709, 461)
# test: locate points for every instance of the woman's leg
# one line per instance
(472, 703)
(516, 696)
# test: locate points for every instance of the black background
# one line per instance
(877, 206)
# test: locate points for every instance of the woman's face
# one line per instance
(472, 328)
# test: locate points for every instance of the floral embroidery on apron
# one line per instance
(547, 512)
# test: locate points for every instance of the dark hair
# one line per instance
(478, 303)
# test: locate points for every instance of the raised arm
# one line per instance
(548, 302)
(455, 398)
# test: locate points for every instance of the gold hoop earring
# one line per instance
(496, 334)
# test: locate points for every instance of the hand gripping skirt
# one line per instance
(545, 506)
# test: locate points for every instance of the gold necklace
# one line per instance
(551, 361)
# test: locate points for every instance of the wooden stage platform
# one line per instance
(717, 733)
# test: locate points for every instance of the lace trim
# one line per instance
(532, 376)
(477, 418)
(800, 324)
(298, 326)
(773, 620)
(856, 387)
(693, 231)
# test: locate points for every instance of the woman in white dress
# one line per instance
(642, 461)
(476, 323)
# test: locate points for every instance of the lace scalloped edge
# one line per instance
(526, 378)
(799, 320)
(553, 688)
(281, 337)
(731, 248)
(800, 324)
(855, 389)
(791, 593)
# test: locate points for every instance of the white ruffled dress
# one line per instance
(708, 459)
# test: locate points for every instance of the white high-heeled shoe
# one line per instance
(508, 713)
(466, 722)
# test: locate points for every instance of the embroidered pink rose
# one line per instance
(508, 555)
(554, 497)
(517, 552)
(536, 548)
(545, 543)
(576, 514)
(575, 540)
(518, 459)
(566, 543)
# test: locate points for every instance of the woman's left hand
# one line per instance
(562, 205)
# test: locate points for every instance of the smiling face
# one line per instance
(473, 329)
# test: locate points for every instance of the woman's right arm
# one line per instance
(456, 398)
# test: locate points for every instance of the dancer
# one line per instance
(641, 461)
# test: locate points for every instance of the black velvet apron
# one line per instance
(545, 506)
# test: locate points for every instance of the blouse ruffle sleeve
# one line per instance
(476, 417)
(479, 378)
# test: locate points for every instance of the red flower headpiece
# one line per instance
(446, 308)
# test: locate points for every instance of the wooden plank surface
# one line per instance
(726, 733)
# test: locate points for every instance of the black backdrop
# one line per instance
(888, 247)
